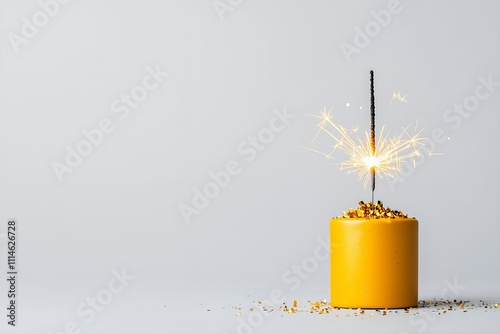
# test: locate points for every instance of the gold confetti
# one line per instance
(372, 210)
(437, 307)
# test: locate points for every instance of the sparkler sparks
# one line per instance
(389, 153)
(398, 97)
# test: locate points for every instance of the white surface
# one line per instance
(120, 207)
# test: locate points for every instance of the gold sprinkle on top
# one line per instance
(372, 210)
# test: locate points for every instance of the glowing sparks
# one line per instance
(398, 97)
(389, 154)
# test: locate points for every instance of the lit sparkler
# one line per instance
(364, 157)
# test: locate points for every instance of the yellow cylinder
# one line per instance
(374, 262)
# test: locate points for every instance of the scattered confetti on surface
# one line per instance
(432, 307)
(372, 210)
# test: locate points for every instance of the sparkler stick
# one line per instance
(372, 132)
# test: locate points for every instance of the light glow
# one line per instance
(371, 162)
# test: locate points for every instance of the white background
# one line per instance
(228, 74)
